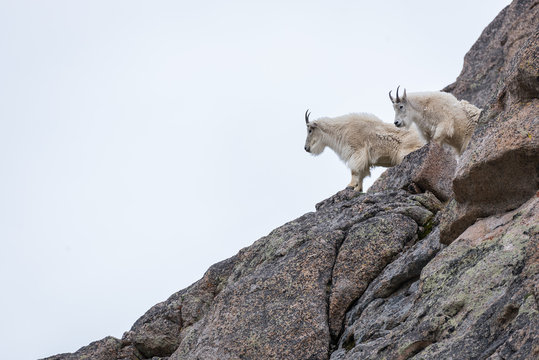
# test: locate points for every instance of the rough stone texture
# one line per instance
(500, 168)
(276, 303)
(404, 269)
(158, 332)
(105, 349)
(475, 299)
(368, 248)
(492, 54)
(366, 276)
(430, 168)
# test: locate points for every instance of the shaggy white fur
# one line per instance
(439, 116)
(361, 140)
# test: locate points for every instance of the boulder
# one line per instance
(430, 168)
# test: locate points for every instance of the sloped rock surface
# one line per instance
(278, 302)
(104, 349)
(284, 296)
(158, 332)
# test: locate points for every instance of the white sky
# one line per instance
(143, 141)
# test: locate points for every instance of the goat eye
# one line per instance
(401, 107)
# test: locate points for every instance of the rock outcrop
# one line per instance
(491, 57)
(429, 168)
(476, 299)
(500, 168)
(438, 260)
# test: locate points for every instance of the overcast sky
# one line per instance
(143, 141)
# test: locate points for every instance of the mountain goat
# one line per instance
(439, 116)
(361, 141)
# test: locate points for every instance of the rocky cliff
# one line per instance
(438, 260)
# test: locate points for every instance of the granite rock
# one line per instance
(430, 168)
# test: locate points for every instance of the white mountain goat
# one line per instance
(439, 116)
(361, 141)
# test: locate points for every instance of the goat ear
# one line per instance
(404, 98)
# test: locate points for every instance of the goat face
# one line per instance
(313, 143)
(400, 105)
(401, 116)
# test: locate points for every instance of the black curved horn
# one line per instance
(307, 113)
(391, 97)
(398, 100)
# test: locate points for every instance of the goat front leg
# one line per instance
(360, 163)
(360, 176)
(354, 181)
(442, 134)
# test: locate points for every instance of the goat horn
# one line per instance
(391, 97)
(398, 100)
(307, 116)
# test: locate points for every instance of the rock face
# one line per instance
(500, 168)
(104, 349)
(476, 299)
(423, 266)
(430, 168)
(492, 55)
